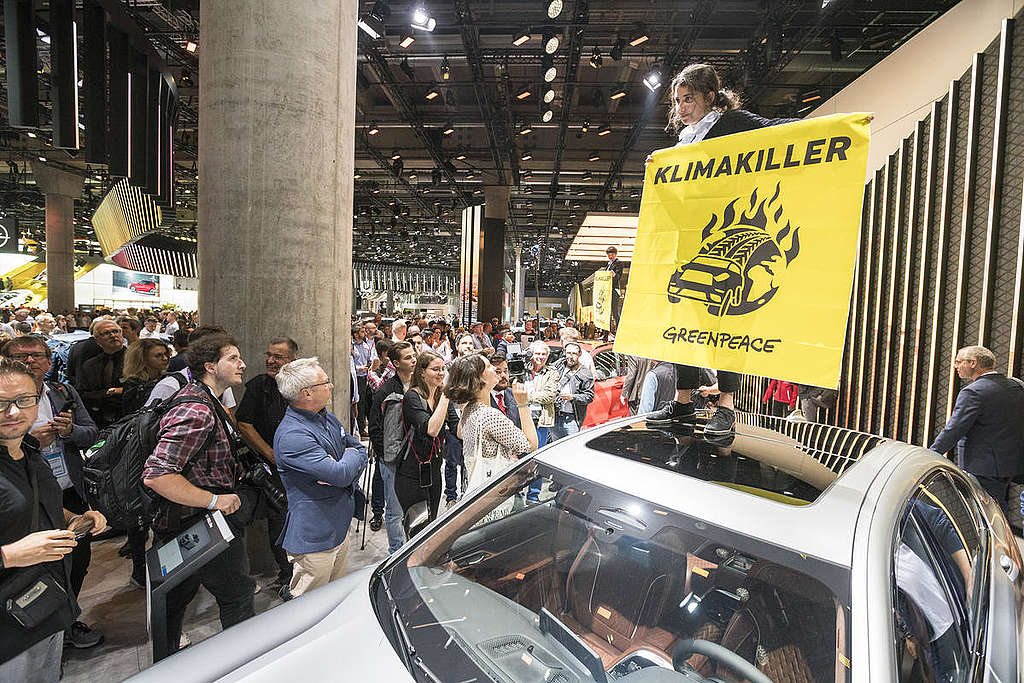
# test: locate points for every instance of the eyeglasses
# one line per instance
(21, 402)
(319, 384)
(22, 357)
(276, 356)
(109, 333)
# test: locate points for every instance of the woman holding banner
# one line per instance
(702, 109)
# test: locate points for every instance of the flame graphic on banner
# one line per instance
(741, 260)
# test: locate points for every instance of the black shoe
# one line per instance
(80, 636)
(284, 593)
(721, 428)
(376, 522)
(675, 414)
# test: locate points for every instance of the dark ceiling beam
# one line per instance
(672, 62)
(378, 64)
(498, 134)
(385, 163)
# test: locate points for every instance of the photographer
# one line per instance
(193, 469)
(35, 540)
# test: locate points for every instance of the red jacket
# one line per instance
(783, 392)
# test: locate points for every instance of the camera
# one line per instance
(517, 369)
(256, 471)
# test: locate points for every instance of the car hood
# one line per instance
(331, 634)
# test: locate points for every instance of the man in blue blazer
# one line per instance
(987, 424)
(320, 464)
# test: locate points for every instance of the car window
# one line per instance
(938, 561)
(592, 579)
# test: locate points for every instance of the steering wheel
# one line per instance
(721, 655)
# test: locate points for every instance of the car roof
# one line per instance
(823, 528)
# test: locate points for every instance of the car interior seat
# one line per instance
(618, 588)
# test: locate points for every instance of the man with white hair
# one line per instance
(398, 330)
(320, 464)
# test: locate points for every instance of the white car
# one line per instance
(802, 553)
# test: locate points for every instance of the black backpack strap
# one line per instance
(174, 509)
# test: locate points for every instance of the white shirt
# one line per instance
(54, 453)
(695, 132)
(146, 334)
(171, 328)
(168, 387)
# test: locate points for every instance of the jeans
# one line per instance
(565, 424)
(226, 576)
(364, 405)
(392, 509)
(542, 438)
(377, 490)
(81, 555)
(454, 461)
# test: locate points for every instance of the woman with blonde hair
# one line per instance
(145, 363)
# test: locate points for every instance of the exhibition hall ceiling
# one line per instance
(547, 97)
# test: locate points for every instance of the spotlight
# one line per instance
(524, 93)
(596, 60)
(638, 37)
(653, 78)
(585, 127)
(594, 156)
(470, 175)
(550, 42)
(423, 21)
(461, 156)
(448, 129)
(373, 129)
(527, 155)
(554, 8)
(446, 69)
(587, 176)
(432, 93)
(604, 130)
(191, 47)
(407, 40)
(547, 116)
(407, 69)
(521, 37)
(526, 129)
(548, 64)
(616, 51)
(618, 93)
(549, 96)
(396, 155)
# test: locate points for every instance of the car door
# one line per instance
(608, 380)
(955, 612)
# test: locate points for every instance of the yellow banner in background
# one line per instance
(603, 299)
(745, 251)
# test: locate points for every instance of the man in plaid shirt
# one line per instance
(193, 469)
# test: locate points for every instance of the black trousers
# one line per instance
(688, 377)
(410, 492)
(364, 403)
(275, 525)
(227, 578)
(81, 555)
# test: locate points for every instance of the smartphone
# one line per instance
(426, 476)
(82, 527)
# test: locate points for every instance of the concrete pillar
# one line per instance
(276, 142)
(61, 189)
(492, 252)
(519, 285)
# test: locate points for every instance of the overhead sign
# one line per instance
(9, 235)
(745, 251)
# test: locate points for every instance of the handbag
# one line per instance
(33, 594)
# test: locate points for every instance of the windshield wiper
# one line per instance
(405, 646)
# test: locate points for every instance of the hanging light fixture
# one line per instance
(422, 20)
(596, 60)
(550, 72)
(551, 41)
(521, 37)
(554, 8)
(446, 69)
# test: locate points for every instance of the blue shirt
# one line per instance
(363, 353)
(311, 448)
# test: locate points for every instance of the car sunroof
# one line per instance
(762, 462)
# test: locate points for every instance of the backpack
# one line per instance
(112, 472)
(397, 440)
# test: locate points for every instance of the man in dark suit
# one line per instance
(616, 267)
(99, 381)
(987, 424)
(501, 396)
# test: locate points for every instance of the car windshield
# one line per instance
(592, 584)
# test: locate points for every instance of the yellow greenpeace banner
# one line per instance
(603, 299)
(745, 251)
